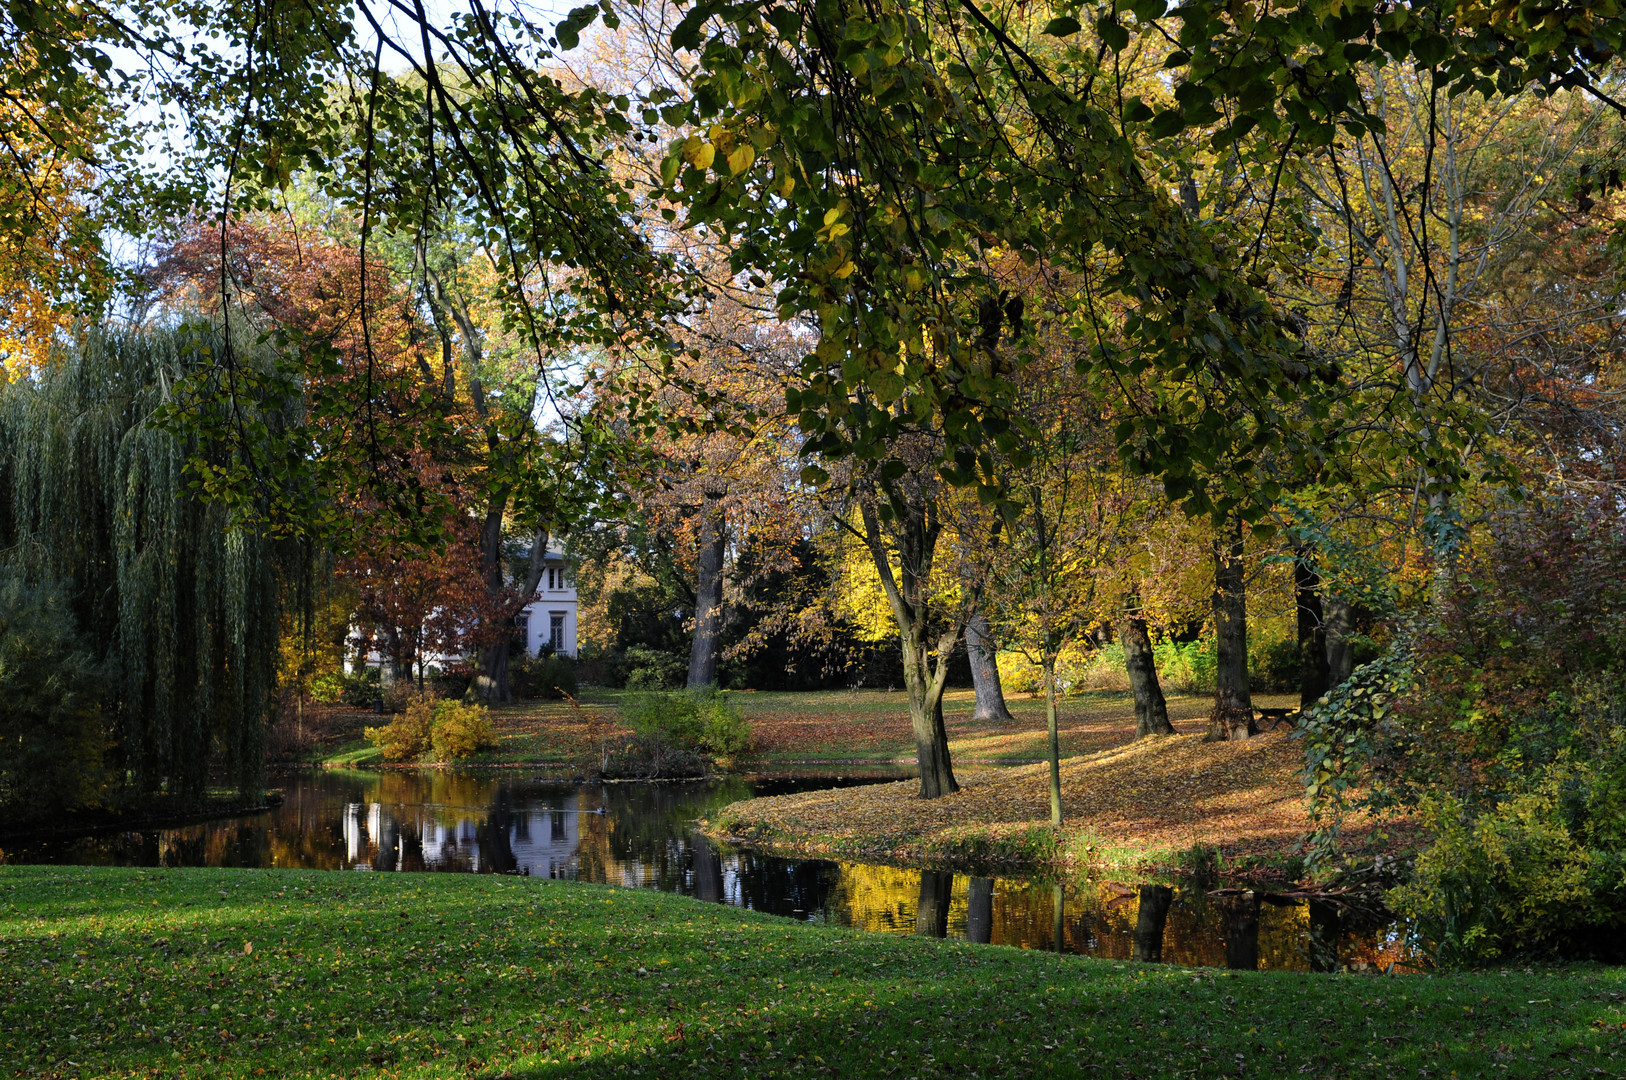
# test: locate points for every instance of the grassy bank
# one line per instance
(839, 727)
(229, 973)
(1145, 806)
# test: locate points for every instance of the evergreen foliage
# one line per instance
(175, 597)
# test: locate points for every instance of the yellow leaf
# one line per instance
(741, 158)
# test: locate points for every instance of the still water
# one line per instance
(641, 835)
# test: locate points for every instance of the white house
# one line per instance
(550, 619)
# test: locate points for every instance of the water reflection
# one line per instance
(642, 836)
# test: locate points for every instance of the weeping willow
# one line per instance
(180, 599)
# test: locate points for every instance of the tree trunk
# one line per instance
(908, 593)
(1232, 718)
(1151, 711)
(931, 914)
(979, 910)
(1050, 731)
(1150, 922)
(708, 596)
(1312, 630)
(1340, 621)
(979, 647)
(493, 681)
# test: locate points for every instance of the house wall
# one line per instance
(561, 597)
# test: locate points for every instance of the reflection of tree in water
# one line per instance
(1150, 921)
(797, 888)
(932, 909)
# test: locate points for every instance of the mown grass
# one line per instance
(236, 973)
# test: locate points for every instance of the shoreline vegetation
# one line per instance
(242, 973)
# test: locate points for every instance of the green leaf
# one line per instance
(1062, 26)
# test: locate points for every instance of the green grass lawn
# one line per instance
(225, 973)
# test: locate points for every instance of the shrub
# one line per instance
(653, 756)
(695, 719)
(1539, 873)
(408, 737)
(455, 680)
(550, 677)
(361, 690)
(403, 693)
(434, 730)
(1185, 667)
(52, 727)
(459, 731)
(328, 687)
(642, 668)
(1275, 664)
(1019, 675)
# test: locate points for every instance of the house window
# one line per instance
(522, 622)
(556, 631)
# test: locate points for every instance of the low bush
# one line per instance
(653, 756)
(328, 687)
(407, 737)
(361, 690)
(642, 668)
(549, 677)
(459, 731)
(1275, 663)
(1542, 873)
(435, 731)
(695, 719)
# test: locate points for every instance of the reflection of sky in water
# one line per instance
(641, 836)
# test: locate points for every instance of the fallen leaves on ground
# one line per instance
(1170, 792)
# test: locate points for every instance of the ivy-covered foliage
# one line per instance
(1500, 718)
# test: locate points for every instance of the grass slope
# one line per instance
(233, 973)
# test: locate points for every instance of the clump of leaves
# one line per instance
(1542, 873)
(434, 730)
(459, 730)
(695, 719)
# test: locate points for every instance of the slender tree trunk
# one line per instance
(1340, 621)
(1050, 730)
(908, 593)
(708, 596)
(1150, 921)
(1232, 717)
(1312, 628)
(931, 913)
(979, 647)
(1151, 711)
(979, 911)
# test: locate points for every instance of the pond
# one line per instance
(641, 835)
